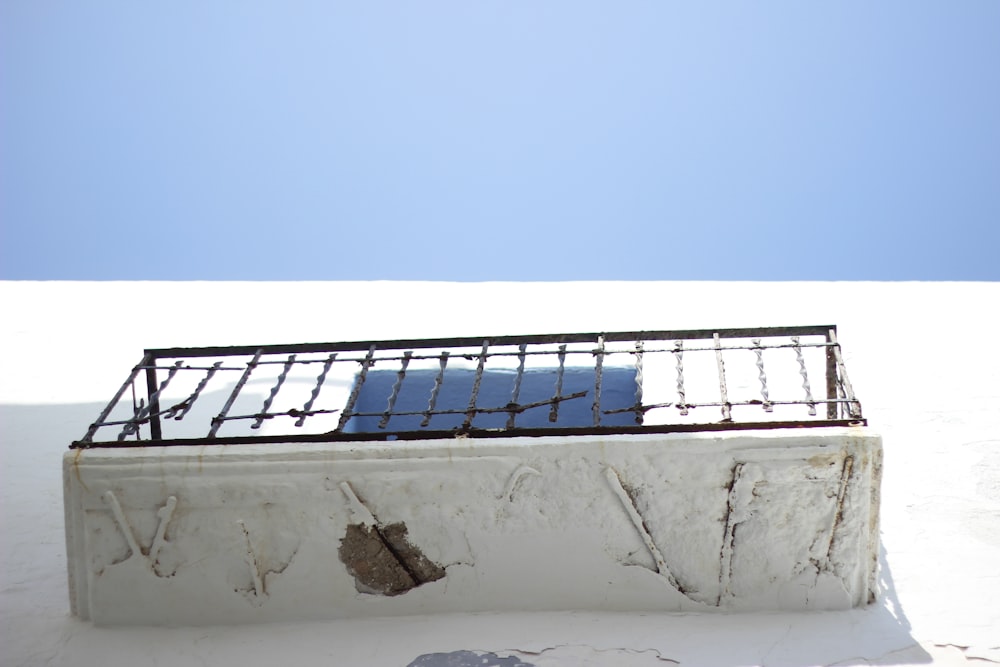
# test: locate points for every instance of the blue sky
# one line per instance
(500, 140)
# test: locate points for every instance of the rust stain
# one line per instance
(822, 460)
(76, 469)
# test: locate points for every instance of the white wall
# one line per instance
(920, 356)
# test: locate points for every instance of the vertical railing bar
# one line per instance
(470, 412)
(436, 389)
(516, 394)
(221, 418)
(759, 351)
(639, 414)
(841, 396)
(681, 395)
(832, 392)
(805, 376)
(554, 410)
(395, 389)
(274, 391)
(188, 402)
(345, 416)
(152, 405)
(723, 391)
(320, 379)
(147, 359)
(133, 425)
(598, 371)
(853, 406)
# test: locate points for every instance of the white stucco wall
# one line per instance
(684, 522)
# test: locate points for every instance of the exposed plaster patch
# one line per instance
(380, 557)
(466, 659)
(383, 561)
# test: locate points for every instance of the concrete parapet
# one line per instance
(739, 521)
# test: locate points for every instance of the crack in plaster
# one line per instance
(845, 479)
(257, 593)
(729, 536)
(779, 640)
(635, 651)
(973, 654)
(917, 653)
(515, 657)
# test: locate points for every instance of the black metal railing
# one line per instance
(489, 386)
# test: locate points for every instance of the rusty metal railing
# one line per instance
(488, 386)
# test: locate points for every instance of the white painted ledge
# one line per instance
(755, 520)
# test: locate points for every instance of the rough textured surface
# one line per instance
(383, 561)
(764, 520)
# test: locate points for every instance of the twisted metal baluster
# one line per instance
(345, 416)
(679, 355)
(759, 351)
(274, 392)
(130, 382)
(132, 426)
(221, 417)
(516, 394)
(639, 414)
(178, 411)
(554, 410)
(723, 392)
(805, 376)
(598, 370)
(315, 391)
(438, 380)
(395, 389)
(470, 412)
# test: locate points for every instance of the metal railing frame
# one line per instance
(842, 406)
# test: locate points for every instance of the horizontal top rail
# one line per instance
(483, 386)
(474, 341)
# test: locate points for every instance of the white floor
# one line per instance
(923, 358)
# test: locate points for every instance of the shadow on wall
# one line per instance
(34, 437)
(878, 635)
